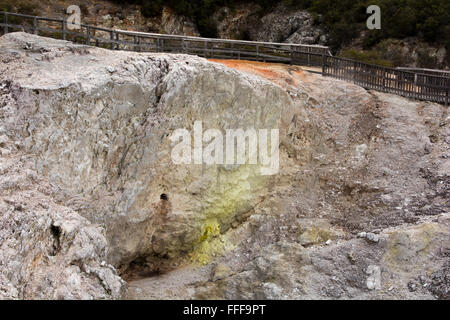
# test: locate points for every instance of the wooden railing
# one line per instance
(433, 72)
(405, 83)
(154, 42)
(432, 86)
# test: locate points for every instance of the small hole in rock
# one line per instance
(164, 197)
(56, 231)
(433, 138)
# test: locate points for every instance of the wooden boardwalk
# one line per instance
(410, 84)
(430, 85)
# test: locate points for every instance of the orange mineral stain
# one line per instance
(283, 75)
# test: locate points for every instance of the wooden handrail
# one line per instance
(426, 71)
(406, 83)
(192, 38)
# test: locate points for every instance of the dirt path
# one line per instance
(177, 284)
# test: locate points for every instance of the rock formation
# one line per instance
(279, 25)
(359, 208)
(172, 23)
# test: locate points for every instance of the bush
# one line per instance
(428, 19)
(372, 57)
(391, 50)
(342, 33)
(344, 20)
(425, 60)
(24, 6)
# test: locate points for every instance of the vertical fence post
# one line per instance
(414, 88)
(111, 38)
(88, 35)
(35, 27)
(446, 97)
(5, 27)
(64, 29)
(117, 41)
(323, 64)
(291, 55)
(309, 56)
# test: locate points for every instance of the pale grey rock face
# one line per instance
(236, 23)
(171, 23)
(47, 251)
(99, 124)
(358, 209)
(289, 26)
(280, 25)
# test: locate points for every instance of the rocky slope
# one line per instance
(279, 25)
(359, 208)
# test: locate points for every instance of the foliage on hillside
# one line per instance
(390, 53)
(199, 11)
(343, 19)
(24, 7)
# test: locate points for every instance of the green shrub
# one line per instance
(372, 57)
(424, 59)
(23, 6)
(346, 19)
(391, 50)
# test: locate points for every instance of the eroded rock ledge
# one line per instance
(87, 178)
